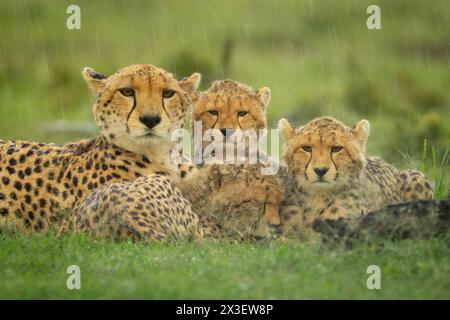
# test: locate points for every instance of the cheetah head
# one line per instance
(140, 105)
(231, 105)
(324, 154)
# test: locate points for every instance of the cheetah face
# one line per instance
(140, 105)
(228, 105)
(324, 154)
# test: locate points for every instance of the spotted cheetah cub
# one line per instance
(329, 176)
(236, 196)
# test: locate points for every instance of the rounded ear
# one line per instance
(263, 95)
(286, 130)
(191, 83)
(94, 79)
(361, 131)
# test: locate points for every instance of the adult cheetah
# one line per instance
(329, 176)
(149, 208)
(136, 109)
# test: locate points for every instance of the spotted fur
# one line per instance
(40, 183)
(236, 197)
(150, 208)
(329, 176)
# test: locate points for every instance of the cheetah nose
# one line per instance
(150, 120)
(320, 171)
(227, 132)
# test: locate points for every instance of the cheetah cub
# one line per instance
(235, 196)
(329, 176)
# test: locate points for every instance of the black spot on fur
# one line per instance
(39, 182)
(21, 174)
(27, 223)
(28, 171)
(5, 181)
(18, 185)
(145, 159)
(42, 203)
(18, 214)
(11, 170)
(140, 164)
(3, 212)
(28, 186)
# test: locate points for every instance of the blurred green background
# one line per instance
(318, 57)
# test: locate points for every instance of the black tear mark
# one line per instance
(239, 124)
(306, 167)
(131, 111)
(217, 119)
(335, 166)
(164, 107)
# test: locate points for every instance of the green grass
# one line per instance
(440, 174)
(36, 268)
(439, 169)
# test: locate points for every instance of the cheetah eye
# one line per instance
(307, 148)
(242, 113)
(213, 112)
(335, 149)
(167, 93)
(127, 92)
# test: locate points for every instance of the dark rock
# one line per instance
(417, 220)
